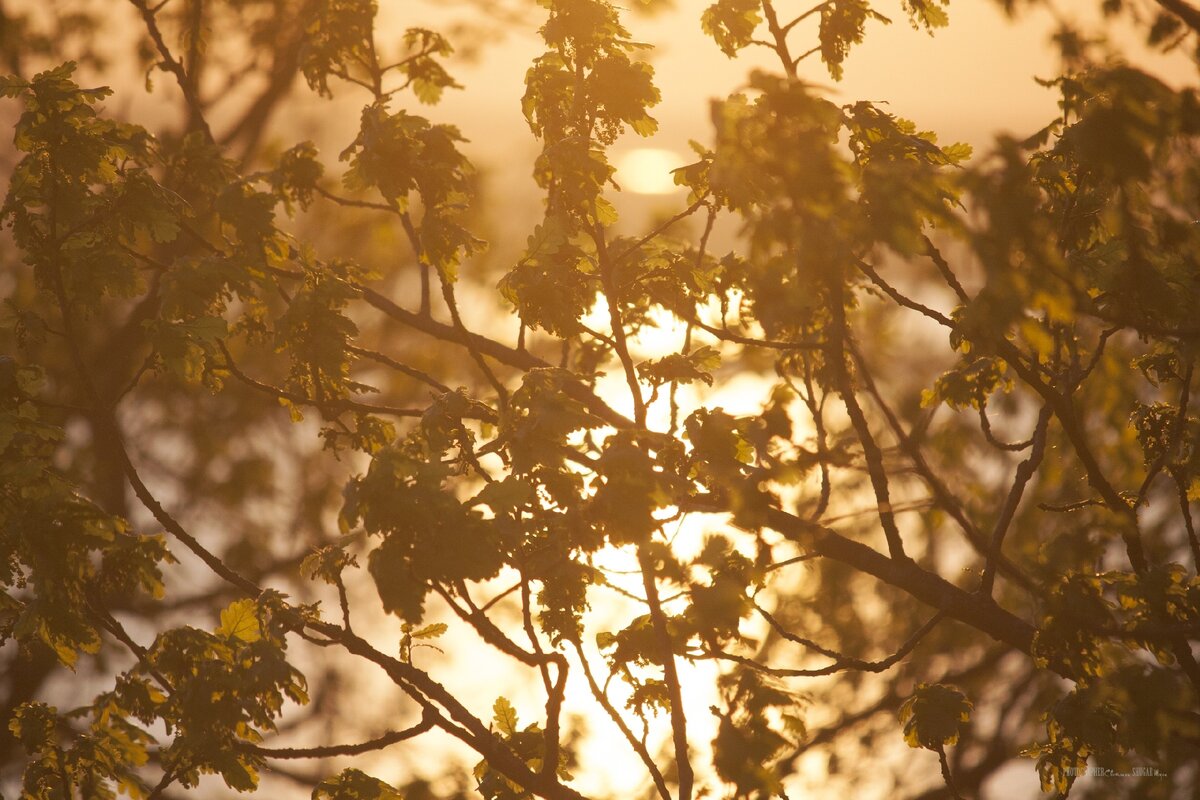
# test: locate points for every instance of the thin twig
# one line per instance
(1024, 475)
(842, 663)
(658, 620)
(330, 751)
(175, 67)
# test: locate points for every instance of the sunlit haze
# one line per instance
(647, 170)
(551, 399)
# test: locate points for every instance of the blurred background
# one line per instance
(263, 487)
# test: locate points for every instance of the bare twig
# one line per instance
(332, 750)
(1025, 473)
(842, 663)
(674, 690)
(171, 64)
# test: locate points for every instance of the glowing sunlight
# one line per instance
(647, 170)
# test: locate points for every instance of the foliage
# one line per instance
(224, 397)
(933, 715)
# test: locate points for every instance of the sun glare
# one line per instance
(647, 170)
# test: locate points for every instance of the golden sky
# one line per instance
(966, 82)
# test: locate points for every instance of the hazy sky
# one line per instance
(967, 82)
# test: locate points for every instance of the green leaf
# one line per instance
(353, 784)
(430, 631)
(934, 715)
(696, 365)
(927, 13)
(842, 25)
(731, 23)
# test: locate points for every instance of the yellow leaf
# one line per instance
(505, 716)
(240, 621)
(430, 631)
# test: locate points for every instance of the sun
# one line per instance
(647, 170)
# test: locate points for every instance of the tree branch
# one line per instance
(678, 718)
(842, 663)
(195, 107)
(329, 751)
(1025, 473)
